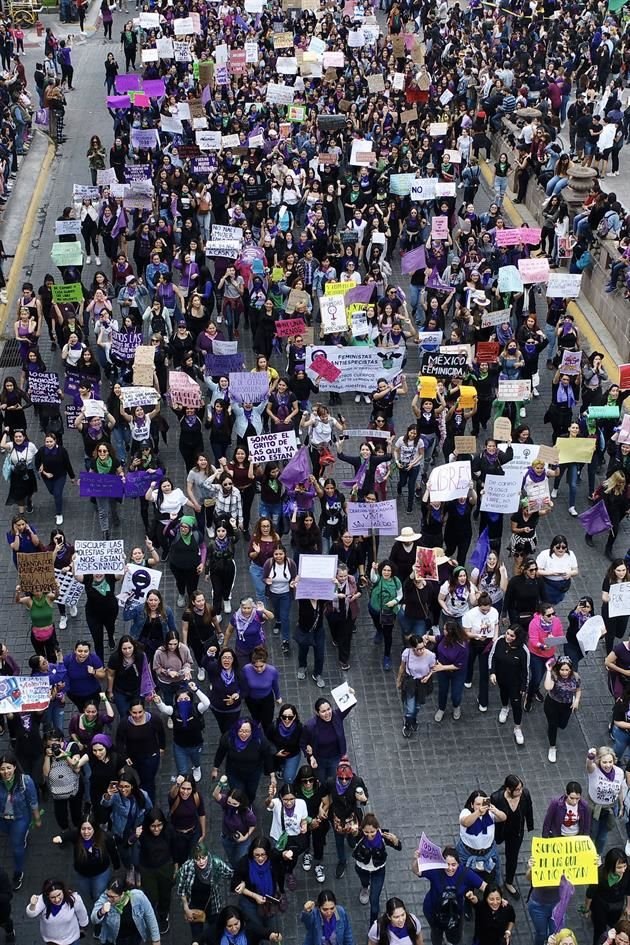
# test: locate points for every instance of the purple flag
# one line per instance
(241, 23)
(100, 486)
(205, 95)
(154, 88)
(361, 293)
(413, 260)
(434, 282)
(120, 224)
(137, 483)
(596, 519)
(217, 364)
(566, 890)
(118, 101)
(128, 83)
(298, 469)
(480, 552)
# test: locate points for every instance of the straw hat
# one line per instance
(407, 535)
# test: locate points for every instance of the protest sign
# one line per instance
(502, 493)
(607, 412)
(619, 599)
(124, 345)
(224, 347)
(438, 129)
(487, 352)
(229, 234)
(534, 270)
(537, 495)
(94, 408)
(70, 591)
(165, 48)
(342, 694)
(528, 235)
(450, 482)
(523, 455)
(364, 434)
(272, 446)
(564, 285)
(502, 429)
(24, 694)
(376, 83)
(413, 260)
(249, 387)
(509, 391)
(624, 376)
(85, 192)
(578, 449)
(365, 517)
(143, 365)
(429, 855)
(426, 564)
(278, 94)
(183, 390)
(439, 228)
(289, 327)
(227, 250)
(359, 367)
(100, 486)
(43, 387)
(333, 314)
(66, 254)
(69, 292)
(208, 140)
(490, 319)
(555, 857)
(571, 362)
(359, 324)
(400, 184)
(148, 21)
(218, 364)
(548, 454)
(324, 369)
(465, 444)
(137, 583)
(100, 557)
(37, 572)
(510, 279)
(68, 227)
(137, 483)
(453, 155)
(139, 396)
(316, 577)
(443, 365)
(72, 412)
(590, 633)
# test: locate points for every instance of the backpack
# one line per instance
(448, 914)
(604, 227)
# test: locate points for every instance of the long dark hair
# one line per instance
(98, 840)
(383, 923)
(138, 650)
(50, 885)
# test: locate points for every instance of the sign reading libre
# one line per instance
(554, 857)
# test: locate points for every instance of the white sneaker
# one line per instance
(536, 392)
(319, 681)
(439, 715)
(518, 736)
(554, 493)
(227, 606)
(522, 412)
(552, 754)
(73, 610)
(366, 399)
(97, 260)
(483, 708)
(169, 724)
(58, 519)
(63, 622)
(301, 673)
(320, 873)
(468, 685)
(201, 674)
(357, 399)
(88, 260)
(457, 713)
(307, 862)
(503, 715)
(196, 773)
(627, 848)
(573, 511)
(364, 896)
(180, 600)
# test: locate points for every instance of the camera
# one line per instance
(56, 750)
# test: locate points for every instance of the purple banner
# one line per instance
(100, 486)
(118, 101)
(314, 588)
(127, 83)
(137, 483)
(154, 88)
(413, 260)
(71, 385)
(217, 364)
(249, 386)
(144, 138)
(361, 294)
(134, 172)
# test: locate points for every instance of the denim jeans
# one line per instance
(454, 680)
(500, 187)
(408, 625)
(187, 758)
(326, 769)
(17, 832)
(375, 879)
(621, 740)
(408, 477)
(601, 828)
(550, 334)
(260, 588)
(537, 670)
(91, 887)
(319, 649)
(147, 769)
(572, 480)
(122, 703)
(271, 511)
(234, 850)
(290, 769)
(556, 185)
(56, 487)
(121, 441)
(540, 914)
(248, 783)
(281, 606)
(53, 716)
(340, 844)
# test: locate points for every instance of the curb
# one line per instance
(15, 273)
(588, 334)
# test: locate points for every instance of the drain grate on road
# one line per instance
(10, 356)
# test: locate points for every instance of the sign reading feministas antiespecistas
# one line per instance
(360, 368)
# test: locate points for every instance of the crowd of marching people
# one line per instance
(268, 173)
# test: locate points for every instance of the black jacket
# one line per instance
(378, 856)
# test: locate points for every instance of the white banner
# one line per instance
(360, 368)
(137, 583)
(272, 446)
(450, 481)
(502, 493)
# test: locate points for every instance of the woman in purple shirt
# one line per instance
(262, 681)
(452, 654)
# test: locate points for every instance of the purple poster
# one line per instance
(249, 386)
(413, 260)
(137, 483)
(154, 88)
(127, 83)
(96, 485)
(217, 364)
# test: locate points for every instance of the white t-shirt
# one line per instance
(418, 666)
(409, 451)
(172, 503)
(477, 841)
(291, 822)
(480, 624)
(603, 791)
(550, 562)
(456, 606)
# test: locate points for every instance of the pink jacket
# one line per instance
(538, 635)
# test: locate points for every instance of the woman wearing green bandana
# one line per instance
(186, 559)
(105, 463)
(124, 917)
